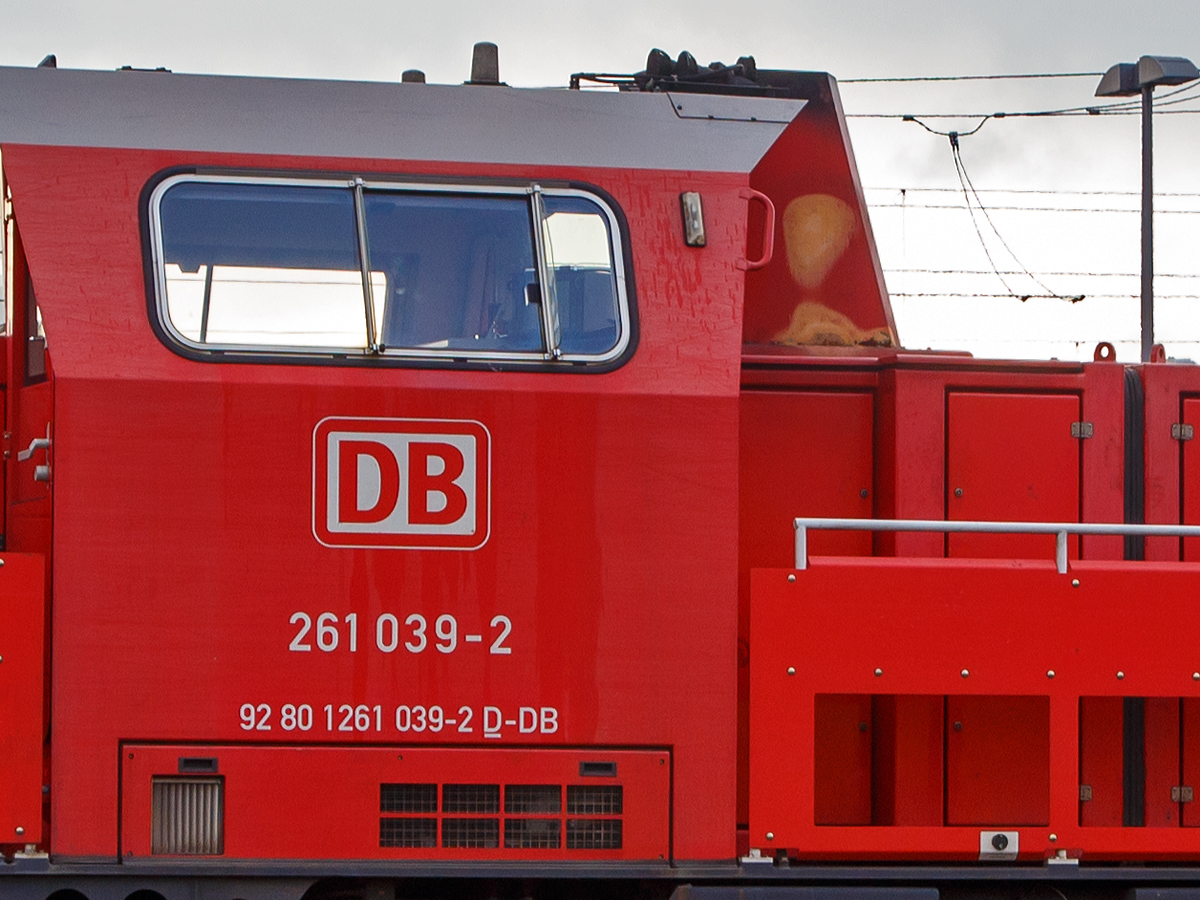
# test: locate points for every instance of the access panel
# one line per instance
(22, 664)
(399, 802)
(1011, 458)
(1190, 501)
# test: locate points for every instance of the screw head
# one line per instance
(958, 492)
(791, 578)
(1074, 582)
(1053, 837)
(1050, 673)
(1120, 676)
(20, 830)
(1196, 676)
(770, 835)
(879, 673)
(965, 673)
(791, 670)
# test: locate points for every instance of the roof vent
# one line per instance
(485, 64)
(412, 76)
(49, 62)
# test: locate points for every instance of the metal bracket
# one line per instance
(998, 846)
(1085, 793)
(1181, 431)
(1181, 794)
(1082, 430)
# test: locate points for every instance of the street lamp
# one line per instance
(1127, 80)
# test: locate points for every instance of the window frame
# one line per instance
(533, 190)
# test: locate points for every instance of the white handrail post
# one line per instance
(1060, 552)
(801, 545)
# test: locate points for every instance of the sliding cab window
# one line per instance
(352, 268)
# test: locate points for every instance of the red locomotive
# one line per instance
(400, 491)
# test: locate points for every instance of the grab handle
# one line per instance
(768, 248)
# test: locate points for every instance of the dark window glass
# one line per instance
(457, 270)
(579, 246)
(256, 265)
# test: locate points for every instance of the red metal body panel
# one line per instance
(997, 760)
(1190, 477)
(801, 454)
(907, 759)
(1011, 458)
(1101, 760)
(1189, 752)
(1169, 392)
(271, 813)
(613, 512)
(23, 611)
(918, 623)
(1162, 761)
(842, 760)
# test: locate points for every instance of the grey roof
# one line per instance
(161, 110)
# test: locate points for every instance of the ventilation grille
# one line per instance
(470, 832)
(524, 834)
(408, 832)
(468, 816)
(532, 798)
(593, 834)
(187, 816)
(471, 798)
(408, 798)
(588, 800)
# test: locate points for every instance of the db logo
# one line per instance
(401, 483)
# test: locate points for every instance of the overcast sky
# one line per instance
(918, 210)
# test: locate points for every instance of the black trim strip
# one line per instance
(1135, 467)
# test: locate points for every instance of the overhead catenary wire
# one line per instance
(1012, 77)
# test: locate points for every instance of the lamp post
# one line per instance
(1128, 80)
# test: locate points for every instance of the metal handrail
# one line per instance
(1059, 529)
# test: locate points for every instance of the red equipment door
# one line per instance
(1011, 458)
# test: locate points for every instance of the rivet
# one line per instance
(1053, 837)
(1120, 675)
(1050, 673)
(791, 578)
(1, 659)
(965, 673)
(1, 562)
(770, 835)
(879, 673)
(1196, 676)
(20, 830)
(1074, 582)
(791, 670)
(958, 726)
(958, 492)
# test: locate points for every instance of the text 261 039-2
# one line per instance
(390, 633)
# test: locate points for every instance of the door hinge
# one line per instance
(1181, 795)
(1082, 430)
(1085, 793)
(1181, 431)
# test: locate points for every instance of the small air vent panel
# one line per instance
(187, 816)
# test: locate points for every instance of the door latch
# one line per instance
(42, 472)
